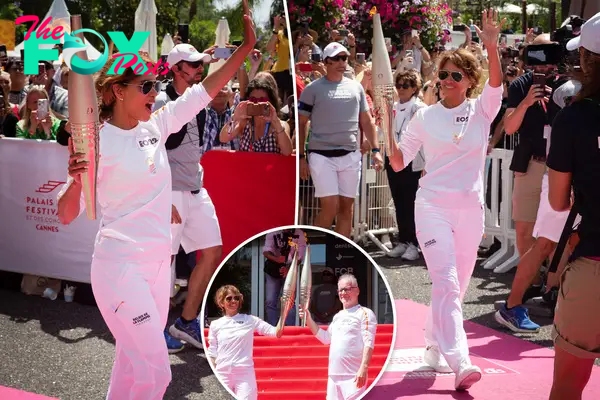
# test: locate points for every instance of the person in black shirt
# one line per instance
(526, 114)
(574, 161)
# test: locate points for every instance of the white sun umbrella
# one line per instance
(222, 38)
(535, 9)
(145, 21)
(60, 17)
(510, 9)
(167, 45)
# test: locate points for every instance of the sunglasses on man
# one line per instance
(456, 76)
(195, 64)
(147, 86)
(339, 58)
(347, 289)
(404, 85)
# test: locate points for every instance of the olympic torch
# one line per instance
(306, 284)
(289, 292)
(383, 84)
(83, 116)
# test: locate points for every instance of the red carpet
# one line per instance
(512, 368)
(294, 367)
(14, 394)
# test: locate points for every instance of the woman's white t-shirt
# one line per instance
(134, 182)
(455, 146)
(231, 340)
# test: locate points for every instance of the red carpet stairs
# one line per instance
(294, 367)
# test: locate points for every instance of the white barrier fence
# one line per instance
(32, 239)
(374, 213)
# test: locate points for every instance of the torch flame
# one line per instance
(373, 11)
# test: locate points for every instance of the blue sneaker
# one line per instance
(189, 333)
(173, 344)
(516, 319)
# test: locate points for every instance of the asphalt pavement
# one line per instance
(65, 350)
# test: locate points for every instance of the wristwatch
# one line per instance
(375, 150)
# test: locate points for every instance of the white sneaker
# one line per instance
(398, 251)
(436, 360)
(411, 253)
(466, 377)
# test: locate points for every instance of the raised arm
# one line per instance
(215, 82)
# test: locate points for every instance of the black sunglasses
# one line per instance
(230, 298)
(195, 64)
(338, 58)
(456, 76)
(404, 85)
(147, 86)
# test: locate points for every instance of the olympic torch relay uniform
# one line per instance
(350, 331)
(449, 213)
(130, 270)
(230, 343)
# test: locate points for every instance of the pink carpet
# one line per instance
(14, 394)
(512, 368)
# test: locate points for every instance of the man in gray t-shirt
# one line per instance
(337, 109)
(194, 223)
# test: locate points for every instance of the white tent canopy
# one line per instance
(145, 21)
(221, 39)
(60, 17)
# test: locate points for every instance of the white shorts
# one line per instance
(343, 388)
(549, 224)
(199, 228)
(335, 176)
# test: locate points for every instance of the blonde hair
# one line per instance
(223, 291)
(467, 62)
(26, 111)
(104, 84)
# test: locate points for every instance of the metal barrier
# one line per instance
(374, 213)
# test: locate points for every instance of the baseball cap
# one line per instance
(186, 52)
(589, 38)
(333, 49)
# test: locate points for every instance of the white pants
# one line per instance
(549, 224)
(449, 239)
(199, 228)
(133, 299)
(343, 388)
(335, 176)
(241, 381)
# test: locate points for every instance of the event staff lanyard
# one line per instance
(267, 126)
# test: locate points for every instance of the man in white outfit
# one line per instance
(351, 336)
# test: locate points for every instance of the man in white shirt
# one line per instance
(194, 223)
(351, 336)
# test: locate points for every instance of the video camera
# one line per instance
(555, 55)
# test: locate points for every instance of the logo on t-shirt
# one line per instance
(430, 243)
(461, 119)
(144, 142)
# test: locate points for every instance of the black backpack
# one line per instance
(175, 139)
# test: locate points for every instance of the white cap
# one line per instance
(186, 52)
(589, 38)
(333, 49)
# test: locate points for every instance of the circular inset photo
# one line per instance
(298, 313)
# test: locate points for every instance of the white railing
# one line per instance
(374, 213)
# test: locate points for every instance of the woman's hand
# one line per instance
(241, 114)
(33, 122)
(249, 31)
(255, 58)
(76, 165)
(491, 29)
(273, 117)
(46, 124)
